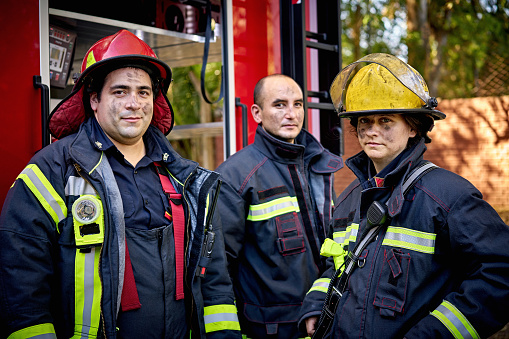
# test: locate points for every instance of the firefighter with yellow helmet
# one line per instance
(106, 232)
(417, 252)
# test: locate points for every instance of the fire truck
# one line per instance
(44, 41)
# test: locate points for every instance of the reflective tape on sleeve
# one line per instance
(320, 285)
(87, 293)
(41, 331)
(410, 239)
(41, 188)
(455, 321)
(348, 235)
(221, 317)
(273, 208)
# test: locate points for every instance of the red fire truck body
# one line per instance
(255, 38)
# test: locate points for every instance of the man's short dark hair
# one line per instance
(258, 90)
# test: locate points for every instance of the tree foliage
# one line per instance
(455, 44)
(190, 108)
(185, 94)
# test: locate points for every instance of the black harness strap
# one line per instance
(338, 282)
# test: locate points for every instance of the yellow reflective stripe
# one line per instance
(410, 239)
(221, 317)
(35, 180)
(455, 321)
(320, 285)
(344, 238)
(87, 293)
(273, 208)
(348, 235)
(41, 331)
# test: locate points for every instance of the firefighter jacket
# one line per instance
(439, 267)
(275, 207)
(60, 279)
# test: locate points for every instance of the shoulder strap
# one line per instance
(408, 183)
(338, 282)
(416, 174)
(179, 225)
(129, 299)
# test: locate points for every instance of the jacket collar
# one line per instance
(306, 148)
(360, 163)
(90, 142)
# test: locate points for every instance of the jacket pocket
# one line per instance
(393, 282)
(272, 314)
(289, 231)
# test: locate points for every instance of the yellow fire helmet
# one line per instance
(386, 84)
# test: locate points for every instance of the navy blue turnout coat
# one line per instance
(439, 268)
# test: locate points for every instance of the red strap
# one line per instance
(129, 300)
(179, 223)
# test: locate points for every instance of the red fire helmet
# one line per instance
(122, 49)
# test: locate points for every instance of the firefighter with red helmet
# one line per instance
(102, 235)
(416, 251)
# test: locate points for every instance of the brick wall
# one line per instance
(473, 141)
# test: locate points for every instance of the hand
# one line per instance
(311, 325)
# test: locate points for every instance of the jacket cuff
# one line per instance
(44, 330)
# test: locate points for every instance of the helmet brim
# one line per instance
(437, 115)
(129, 60)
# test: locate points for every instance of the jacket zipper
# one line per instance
(188, 239)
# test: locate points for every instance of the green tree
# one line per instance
(456, 45)
(190, 107)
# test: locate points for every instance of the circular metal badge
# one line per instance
(86, 209)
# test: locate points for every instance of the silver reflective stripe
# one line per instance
(320, 285)
(88, 288)
(220, 318)
(410, 239)
(40, 331)
(38, 336)
(350, 234)
(455, 321)
(214, 318)
(33, 172)
(273, 208)
(78, 186)
(87, 294)
(44, 336)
